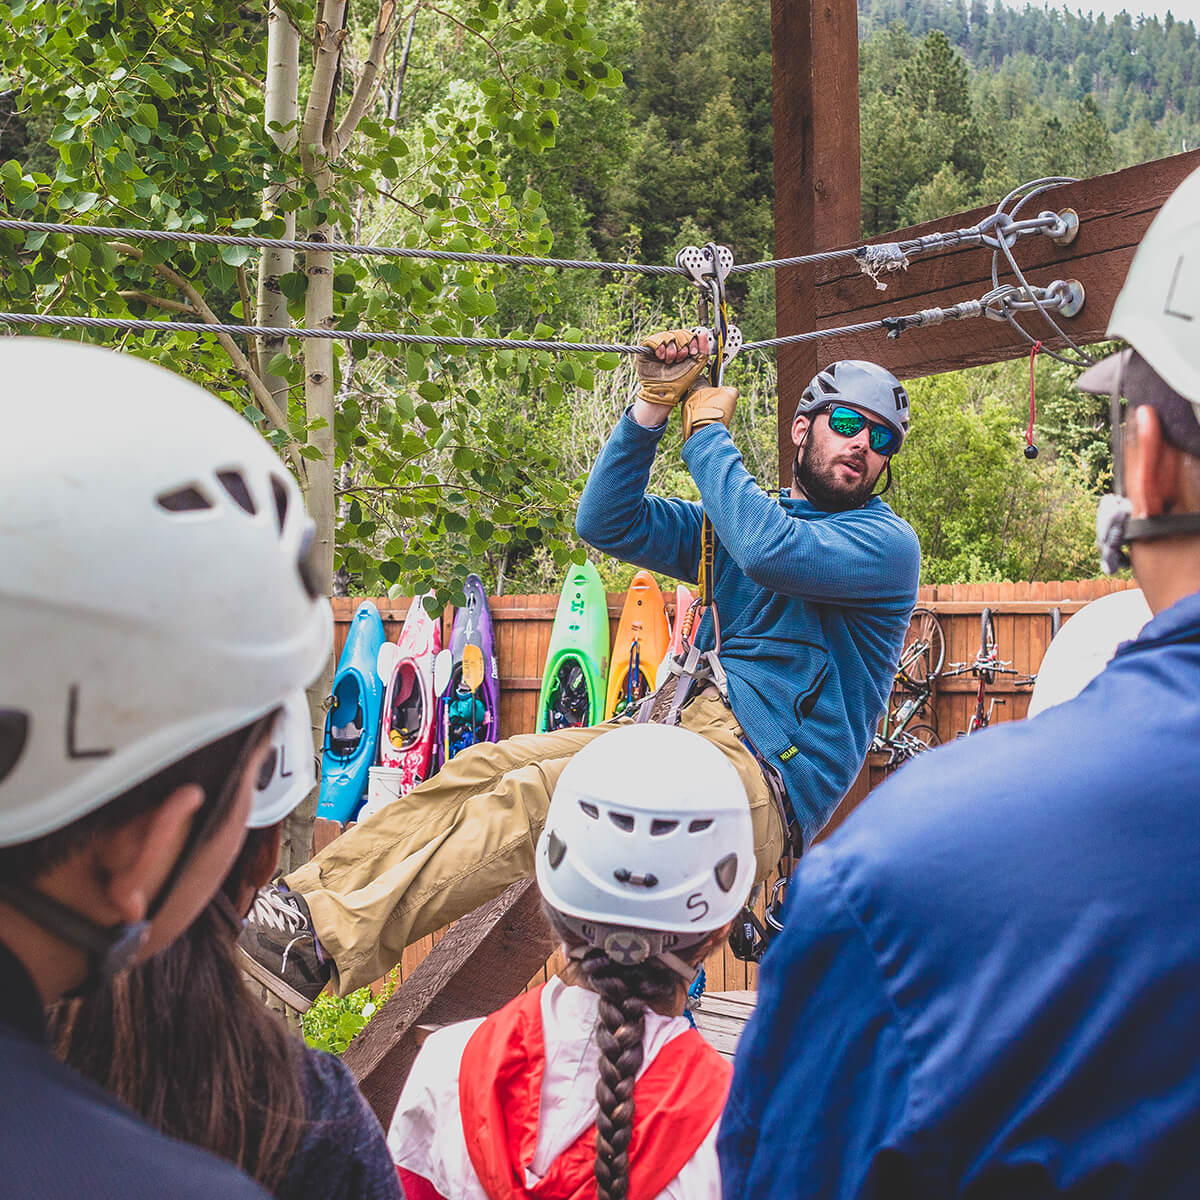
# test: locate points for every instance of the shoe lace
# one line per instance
(273, 909)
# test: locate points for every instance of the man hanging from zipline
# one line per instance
(813, 590)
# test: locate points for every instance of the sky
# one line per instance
(1182, 9)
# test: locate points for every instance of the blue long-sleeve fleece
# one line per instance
(813, 605)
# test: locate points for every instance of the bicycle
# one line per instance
(921, 660)
(986, 665)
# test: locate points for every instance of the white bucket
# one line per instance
(383, 786)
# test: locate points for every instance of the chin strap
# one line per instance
(109, 948)
(1146, 529)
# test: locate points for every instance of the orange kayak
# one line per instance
(643, 638)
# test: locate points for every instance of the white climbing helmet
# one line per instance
(1158, 308)
(155, 588)
(863, 385)
(287, 774)
(649, 828)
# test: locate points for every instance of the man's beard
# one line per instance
(819, 483)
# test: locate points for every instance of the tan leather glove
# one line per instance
(705, 405)
(665, 383)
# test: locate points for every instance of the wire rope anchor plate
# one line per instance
(1073, 297)
(1066, 230)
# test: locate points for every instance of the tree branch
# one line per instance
(241, 364)
(159, 302)
(368, 81)
(251, 343)
(512, 87)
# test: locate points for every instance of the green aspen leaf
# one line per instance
(147, 115)
(235, 256)
(104, 256)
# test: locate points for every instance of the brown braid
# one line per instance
(625, 995)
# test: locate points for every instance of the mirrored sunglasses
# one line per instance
(847, 423)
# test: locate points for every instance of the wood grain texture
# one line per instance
(814, 73)
(478, 965)
(1115, 210)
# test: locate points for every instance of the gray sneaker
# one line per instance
(279, 948)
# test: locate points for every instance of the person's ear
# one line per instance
(262, 863)
(136, 859)
(1151, 466)
(800, 429)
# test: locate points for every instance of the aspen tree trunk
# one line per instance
(322, 139)
(281, 107)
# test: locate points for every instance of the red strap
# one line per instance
(416, 1187)
(1033, 353)
(677, 1101)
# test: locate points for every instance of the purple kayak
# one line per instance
(468, 708)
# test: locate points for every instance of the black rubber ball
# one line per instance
(1031, 452)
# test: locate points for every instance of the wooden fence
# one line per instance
(1021, 612)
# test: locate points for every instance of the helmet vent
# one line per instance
(14, 732)
(827, 385)
(235, 485)
(623, 821)
(660, 828)
(555, 849)
(700, 825)
(267, 771)
(590, 810)
(187, 499)
(280, 493)
(306, 563)
(726, 872)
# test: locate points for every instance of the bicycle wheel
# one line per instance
(924, 650)
(987, 645)
(926, 735)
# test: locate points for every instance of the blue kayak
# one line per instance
(352, 726)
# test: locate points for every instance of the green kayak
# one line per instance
(577, 662)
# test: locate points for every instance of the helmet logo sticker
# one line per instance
(14, 733)
(901, 398)
(1184, 301)
(627, 948)
(74, 750)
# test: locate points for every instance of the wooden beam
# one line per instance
(482, 962)
(1114, 210)
(814, 55)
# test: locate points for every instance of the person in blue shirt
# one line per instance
(814, 589)
(988, 978)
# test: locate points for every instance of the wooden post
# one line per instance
(481, 963)
(814, 54)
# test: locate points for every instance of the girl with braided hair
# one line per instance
(595, 1086)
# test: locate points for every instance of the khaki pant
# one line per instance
(459, 839)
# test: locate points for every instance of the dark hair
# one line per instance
(211, 767)
(182, 1041)
(625, 995)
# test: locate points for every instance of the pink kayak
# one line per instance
(406, 735)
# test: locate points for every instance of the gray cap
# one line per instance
(1140, 384)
